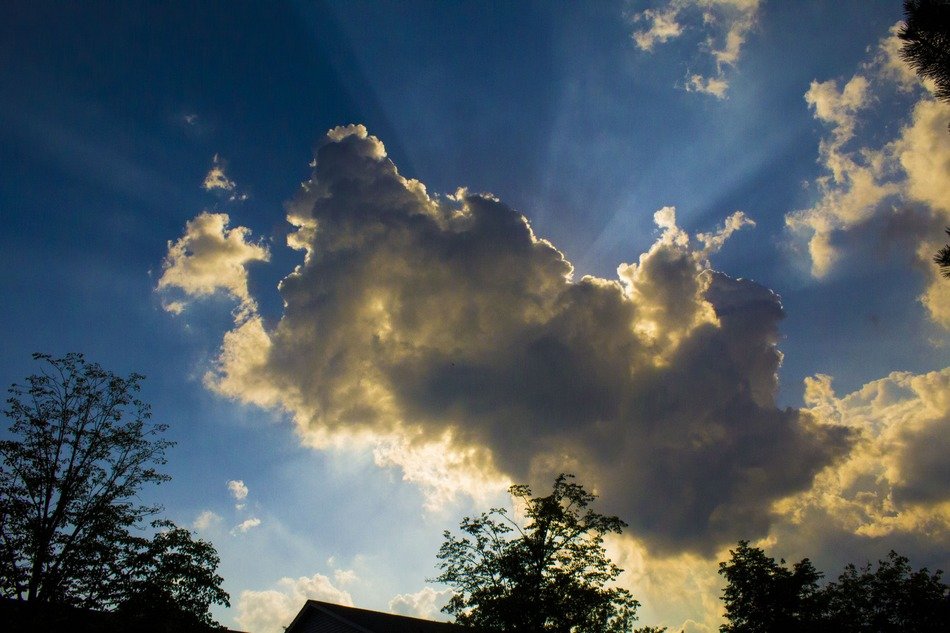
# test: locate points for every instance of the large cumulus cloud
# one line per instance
(446, 334)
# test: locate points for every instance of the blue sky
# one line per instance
(430, 348)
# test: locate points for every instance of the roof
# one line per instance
(367, 621)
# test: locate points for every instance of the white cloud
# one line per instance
(864, 183)
(426, 603)
(662, 27)
(207, 520)
(271, 610)
(345, 576)
(678, 591)
(238, 489)
(445, 336)
(211, 258)
(714, 242)
(726, 23)
(891, 491)
(216, 178)
(896, 479)
(892, 65)
(246, 525)
(839, 108)
(715, 86)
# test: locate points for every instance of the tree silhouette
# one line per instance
(942, 258)
(71, 526)
(926, 37)
(549, 575)
(171, 578)
(762, 596)
(890, 599)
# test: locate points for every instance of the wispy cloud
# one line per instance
(216, 178)
(207, 520)
(725, 23)
(247, 525)
(238, 489)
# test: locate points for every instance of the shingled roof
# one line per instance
(320, 617)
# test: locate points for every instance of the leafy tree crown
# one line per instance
(549, 572)
(81, 449)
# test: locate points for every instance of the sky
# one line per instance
(379, 260)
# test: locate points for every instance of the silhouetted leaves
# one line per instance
(550, 575)
(764, 596)
(890, 599)
(942, 258)
(926, 37)
(82, 450)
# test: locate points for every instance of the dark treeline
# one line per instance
(763, 595)
(550, 574)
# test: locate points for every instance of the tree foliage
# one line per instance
(762, 595)
(171, 577)
(890, 599)
(926, 37)
(942, 258)
(551, 574)
(81, 450)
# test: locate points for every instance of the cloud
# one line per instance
(426, 603)
(727, 24)
(211, 258)
(678, 591)
(245, 526)
(216, 178)
(447, 335)
(662, 27)
(865, 184)
(897, 478)
(345, 576)
(238, 489)
(893, 490)
(714, 242)
(207, 520)
(271, 610)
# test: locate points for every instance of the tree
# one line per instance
(762, 596)
(892, 598)
(71, 526)
(171, 577)
(552, 574)
(926, 37)
(942, 258)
